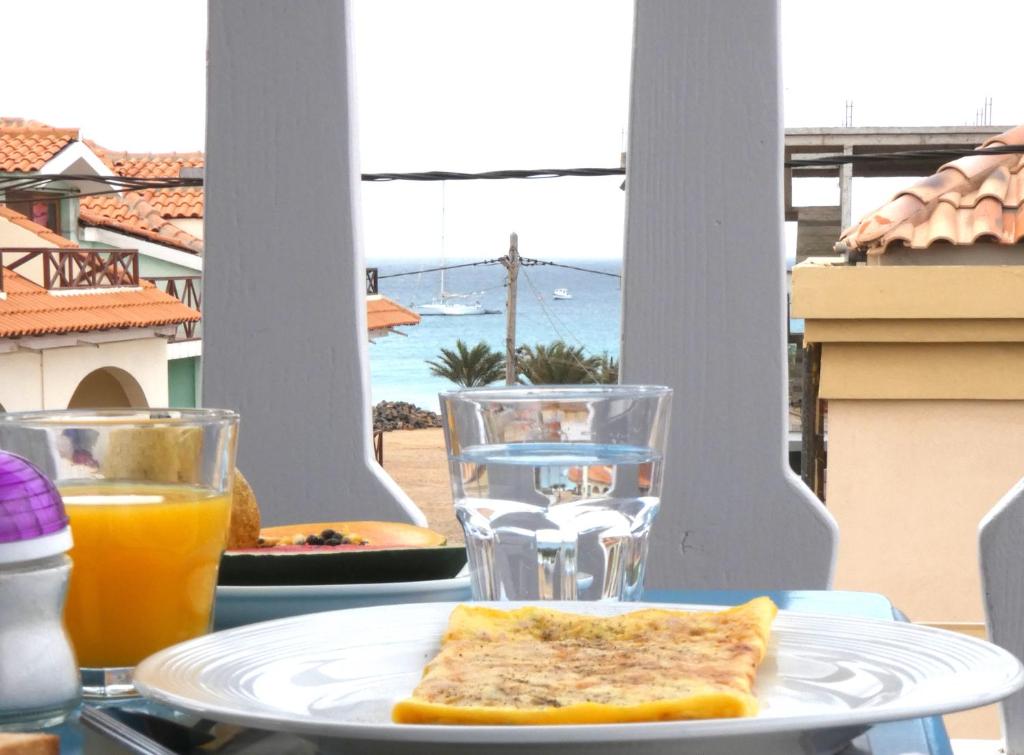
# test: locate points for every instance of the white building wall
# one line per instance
(21, 381)
(144, 359)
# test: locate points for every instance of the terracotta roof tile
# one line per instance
(26, 146)
(974, 198)
(185, 202)
(602, 475)
(382, 312)
(134, 216)
(148, 164)
(29, 310)
(41, 231)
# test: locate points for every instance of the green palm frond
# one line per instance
(469, 367)
(557, 364)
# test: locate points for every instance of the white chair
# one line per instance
(1001, 546)
(703, 294)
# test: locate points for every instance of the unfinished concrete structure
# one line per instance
(820, 226)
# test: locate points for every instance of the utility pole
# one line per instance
(511, 264)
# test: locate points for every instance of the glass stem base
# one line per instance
(108, 683)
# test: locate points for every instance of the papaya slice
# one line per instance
(355, 535)
(385, 552)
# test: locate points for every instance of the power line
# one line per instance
(919, 154)
(494, 175)
(39, 181)
(551, 320)
(442, 267)
(528, 261)
(525, 261)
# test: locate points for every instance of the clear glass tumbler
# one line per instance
(148, 494)
(556, 487)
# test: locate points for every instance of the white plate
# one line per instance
(237, 605)
(336, 675)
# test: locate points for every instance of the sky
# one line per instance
(470, 86)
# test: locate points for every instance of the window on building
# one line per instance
(38, 207)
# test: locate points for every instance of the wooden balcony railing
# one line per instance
(187, 290)
(56, 269)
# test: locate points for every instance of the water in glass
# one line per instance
(556, 521)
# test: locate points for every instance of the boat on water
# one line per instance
(444, 305)
(446, 302)
(562, 293)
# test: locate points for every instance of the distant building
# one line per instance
(164, 226)
(78, 327)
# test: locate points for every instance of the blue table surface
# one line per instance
(914, 737)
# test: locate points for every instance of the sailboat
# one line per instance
(443, 305)
(447, 303)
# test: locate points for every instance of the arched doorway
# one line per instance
(108, 388)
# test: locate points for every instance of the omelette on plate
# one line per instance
(539, 666)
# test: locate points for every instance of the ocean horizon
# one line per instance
(591, 319)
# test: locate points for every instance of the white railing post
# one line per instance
(703, 297)
(284, 303)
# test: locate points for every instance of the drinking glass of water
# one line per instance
(556, 486)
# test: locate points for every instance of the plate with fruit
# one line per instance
(334, 553)
(285, 570)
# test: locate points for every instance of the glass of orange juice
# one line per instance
(148, 493)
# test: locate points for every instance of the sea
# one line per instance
(591, 319)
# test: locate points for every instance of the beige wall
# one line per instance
(107, 388)
(32, 270)
(908, 482)
(144, 359)
(47, 379)
(189, 225)
(12, 234)
(21, 382)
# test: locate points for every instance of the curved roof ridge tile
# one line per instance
(962, 202)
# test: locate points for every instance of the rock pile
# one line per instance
(400, 415)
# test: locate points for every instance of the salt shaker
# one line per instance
(39, 680)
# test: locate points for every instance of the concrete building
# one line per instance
(819, 226)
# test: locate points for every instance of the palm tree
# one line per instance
(469, 367)
(557, 364)
(607, 368)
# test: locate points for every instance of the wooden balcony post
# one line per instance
(704, 297)
(284, 321)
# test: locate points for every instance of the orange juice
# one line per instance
(145, 567)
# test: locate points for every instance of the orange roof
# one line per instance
(974, 198)
(134, 216)
(29, 310)
(26, 146)
(382, 313)
(148, 164)
(30, 225)
(183, 202)
(602, 475)
(170, 203)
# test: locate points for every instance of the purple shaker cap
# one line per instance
(30, 506)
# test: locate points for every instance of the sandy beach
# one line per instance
(417, 462)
